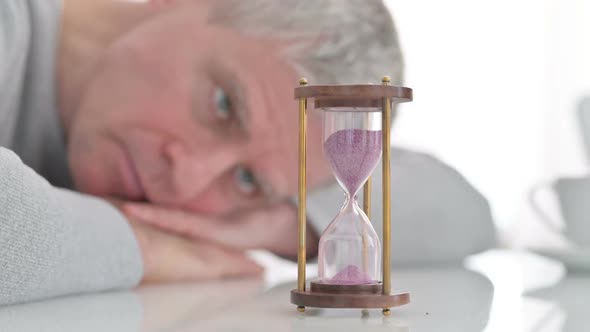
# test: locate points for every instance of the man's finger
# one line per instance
(269, 228)
(230, 264)
(171, 220)
(241, 233)
(173, 258)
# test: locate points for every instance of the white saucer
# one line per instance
(574, 259)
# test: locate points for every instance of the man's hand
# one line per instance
(272, 228)
(172, 258)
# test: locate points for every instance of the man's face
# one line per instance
(183, 113)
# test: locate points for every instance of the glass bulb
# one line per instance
(349, 249)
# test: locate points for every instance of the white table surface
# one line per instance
(494, 291)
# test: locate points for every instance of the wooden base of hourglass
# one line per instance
(347, 296)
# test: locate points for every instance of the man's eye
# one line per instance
(245, 180)
(223, 106)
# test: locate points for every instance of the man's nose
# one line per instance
(193, 171)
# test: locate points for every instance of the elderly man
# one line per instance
(180, 115)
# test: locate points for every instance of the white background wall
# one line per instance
(496, 86)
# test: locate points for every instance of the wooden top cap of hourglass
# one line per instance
(357, 95)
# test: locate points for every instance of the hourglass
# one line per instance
(354, 267)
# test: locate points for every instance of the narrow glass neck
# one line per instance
(349, 201)
(348, 194)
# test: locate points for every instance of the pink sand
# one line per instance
(353, 154)
(351, 275)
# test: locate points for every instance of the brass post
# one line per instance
(367, 198)
(302, 190)
(386, 126)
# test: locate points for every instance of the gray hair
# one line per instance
(330, 41)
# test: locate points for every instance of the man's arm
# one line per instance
(57, 242)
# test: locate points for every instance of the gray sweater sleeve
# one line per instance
(57, 242)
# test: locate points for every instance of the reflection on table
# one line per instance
(497, 291)
(443, 299)
(571, 310)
